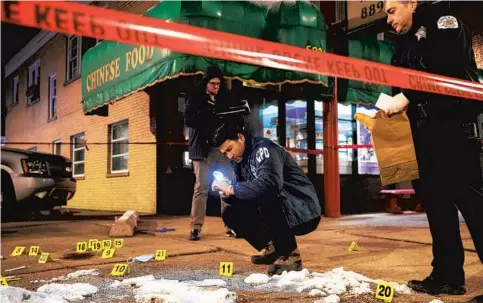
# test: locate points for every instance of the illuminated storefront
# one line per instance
(264, 120)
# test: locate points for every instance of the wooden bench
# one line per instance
(393, 196)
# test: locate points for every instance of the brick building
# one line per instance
(45, 106)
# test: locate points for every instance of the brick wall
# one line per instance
(478, 49)
(97, 190)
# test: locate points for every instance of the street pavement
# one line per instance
(393, 248)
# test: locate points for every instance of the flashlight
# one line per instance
(218, 175)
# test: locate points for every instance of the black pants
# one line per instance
(260, 223)
(450, 180)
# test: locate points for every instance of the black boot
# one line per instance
(195, 235)
(268, 256)
(292, 262)
(434, 286)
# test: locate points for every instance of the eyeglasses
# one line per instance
(214, 83)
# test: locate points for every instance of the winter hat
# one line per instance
(212, 72)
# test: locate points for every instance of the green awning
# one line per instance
(112, 70)
(299, 24)
(372, 50)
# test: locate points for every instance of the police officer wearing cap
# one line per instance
(445, 137)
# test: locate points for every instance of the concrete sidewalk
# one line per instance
(392, 247)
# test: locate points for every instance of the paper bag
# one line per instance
(393, 144)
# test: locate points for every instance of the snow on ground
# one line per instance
(70, 292)
(72, 275)
(329, 299)
(336, 282)
(257, 279)
(116, 284)
(327, 287)
(436, 301)
(80, 273)
(181, 292)
(10, 294)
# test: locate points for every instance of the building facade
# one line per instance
(44, 107)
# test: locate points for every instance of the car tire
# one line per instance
(8, 198)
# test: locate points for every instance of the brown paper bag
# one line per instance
(393, 144)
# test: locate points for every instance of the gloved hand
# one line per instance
(223, 186)
(392, 105)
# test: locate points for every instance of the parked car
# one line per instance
(35, 181)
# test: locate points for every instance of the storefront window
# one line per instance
(319, 135)
(367, 161)
(346, 130)
(263, 120)
(296, 130)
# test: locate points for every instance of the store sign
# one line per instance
(363, 12)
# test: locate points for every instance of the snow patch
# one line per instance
(257, 279)
(10, 294)
(80, 273)
(180, 292)
(138, 281)
(334, 283)
(402, 288)
(70, 292)
(72, 275)
(317, 293)
(331, 299)
(115, 284)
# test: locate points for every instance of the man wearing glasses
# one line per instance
(205, 110)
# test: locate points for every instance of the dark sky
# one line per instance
(14, 37)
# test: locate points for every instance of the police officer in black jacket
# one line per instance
(445, 137)
(270, 198)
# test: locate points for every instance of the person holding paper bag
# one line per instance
(445, 136)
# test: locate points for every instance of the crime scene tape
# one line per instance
(355, 146)
(321, 151)
(305, 151)
(290, 149)
(80, 19)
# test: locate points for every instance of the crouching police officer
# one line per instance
(445, 137)
(270, 199)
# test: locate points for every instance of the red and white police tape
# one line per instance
(96, 22)
(291, 149)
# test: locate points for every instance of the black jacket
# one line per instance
(267, 171)
(203, 117)
(438, 43)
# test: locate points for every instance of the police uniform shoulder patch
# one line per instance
(262, 153)
(445, 22)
